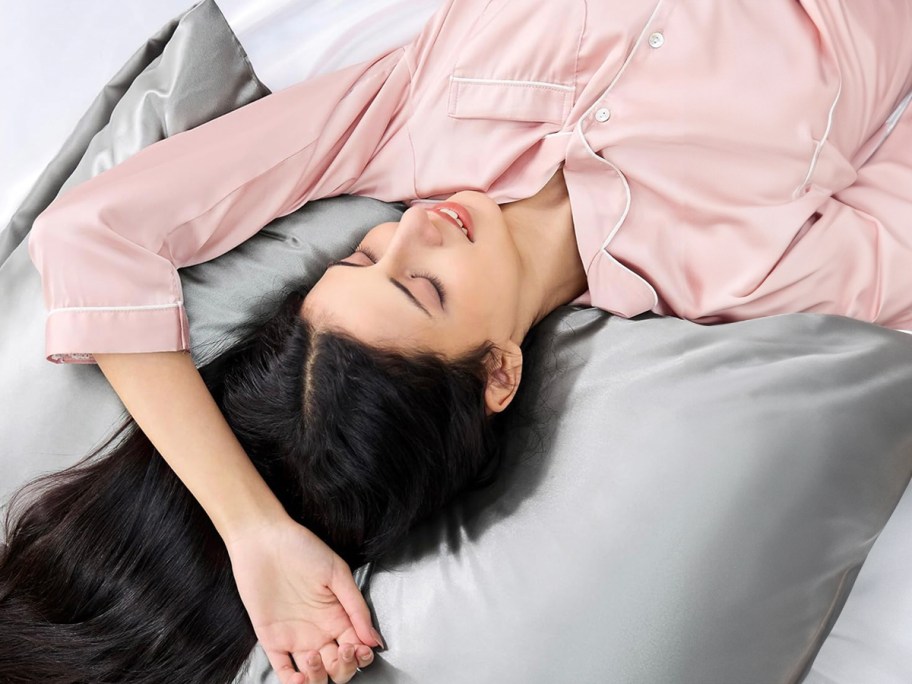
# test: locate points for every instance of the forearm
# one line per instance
(166, 395)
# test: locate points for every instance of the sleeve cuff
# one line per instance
(73, 335)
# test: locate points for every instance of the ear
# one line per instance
(504, 373)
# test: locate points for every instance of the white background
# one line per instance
(56, 56)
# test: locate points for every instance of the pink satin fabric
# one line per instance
(725, 160)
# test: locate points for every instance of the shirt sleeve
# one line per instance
(108, 249)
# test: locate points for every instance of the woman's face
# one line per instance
(384, 295)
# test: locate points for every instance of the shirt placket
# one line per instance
(600, 194)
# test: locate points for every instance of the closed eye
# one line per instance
(438, 286)
(435, 281)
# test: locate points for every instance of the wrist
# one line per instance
(246, 504)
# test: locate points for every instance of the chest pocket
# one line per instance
(518, 62)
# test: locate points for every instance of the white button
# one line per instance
(602, 115)
(656, 40)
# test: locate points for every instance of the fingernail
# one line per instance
(313, 660)
(347, 653)
(378, 638)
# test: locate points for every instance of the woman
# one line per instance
(643, 157)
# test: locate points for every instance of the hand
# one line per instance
(302, 600)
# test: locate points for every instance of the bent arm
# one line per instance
(166, 395)
(108, 249)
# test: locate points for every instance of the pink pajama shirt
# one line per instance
(724, 160)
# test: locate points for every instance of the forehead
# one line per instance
(379, 316)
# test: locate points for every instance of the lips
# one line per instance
(463, 215)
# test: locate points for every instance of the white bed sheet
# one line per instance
(67, 52)
(871, 642)
(289, 41)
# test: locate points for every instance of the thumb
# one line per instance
(344, 587)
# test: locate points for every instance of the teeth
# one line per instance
(450, 212)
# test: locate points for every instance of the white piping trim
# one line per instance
(114, 308)
(627, 195)
(579, 130)
(497, 81)
(898, 112)
(655, 295)
(890, 124)
(624, 213)
(820, 144)
(603, 248)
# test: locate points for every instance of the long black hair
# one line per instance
(113, 573)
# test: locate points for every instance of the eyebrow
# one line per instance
(412, 298)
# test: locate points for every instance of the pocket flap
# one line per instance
(533, 101)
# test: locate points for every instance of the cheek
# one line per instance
(494, 285)
(502, 269)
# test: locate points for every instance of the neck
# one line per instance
(542, 229)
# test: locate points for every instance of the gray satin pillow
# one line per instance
(690, 504)
(698, 512)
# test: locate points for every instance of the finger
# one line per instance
(284, 667)
(311, 664)
(364, 654)
(341, 661)
(346, 590)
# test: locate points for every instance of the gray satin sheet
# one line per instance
(690, 505)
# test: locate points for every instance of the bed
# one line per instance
(696, 504)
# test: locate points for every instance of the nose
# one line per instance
(416, 228)
(414, 233)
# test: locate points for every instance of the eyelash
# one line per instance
(441, 291)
